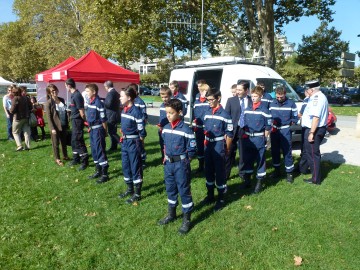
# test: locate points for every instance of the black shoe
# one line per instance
(186, 224)
(133, 199)
(310, 181)
(82, 167)
(245, 185)
(258, 186)
(20, 148)
(111, 149)
(95, 175)
(103, 179)
(126, 194)
(73, 163)
(289, 178)
(220, 204)
(208, 200)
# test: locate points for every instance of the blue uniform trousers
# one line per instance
(230, 159)
(303, 163)
(131, 160)
(98, 145)
(254, 149)
(77, 137)
(241, 151)
(177, 181)
(200, 137)
(281, 140)
(312, 152)
(9, 126)
(215, 166)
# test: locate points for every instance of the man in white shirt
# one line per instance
(9, 117)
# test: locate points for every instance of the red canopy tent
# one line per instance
(90, 68)
(46, 75)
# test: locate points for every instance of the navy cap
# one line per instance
(312, 84)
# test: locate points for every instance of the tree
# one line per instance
(321, 52)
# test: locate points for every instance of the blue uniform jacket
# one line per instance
(96, 112)
(200, 109)
(77, 103)
(132, 122)
(179, 141)
(163, 119)
(218, 124)
(267, 99)
(257, 120)
(138, 102)
(283, 113)
(183, 100)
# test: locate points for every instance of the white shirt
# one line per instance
(7, 102)
(318, 107)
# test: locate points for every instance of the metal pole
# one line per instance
(202, 30)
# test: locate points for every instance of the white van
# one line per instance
(221, 73)
(30, 88)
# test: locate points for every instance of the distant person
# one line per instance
(201, 106)
(165, 94)
(175, 90)
(267, 97)
(314, 121)
(21, 108)
(218, 129)
(39, 113)
(133, 135)
(112, 106)
(97, 120)
(7, 99)
(284, 114)
(77, 115)
(58, 122)
(233, 90)
(86, 101)
(180, 148)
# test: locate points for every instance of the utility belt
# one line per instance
(254, 134)
(216, 139)
(124, 137)
(96, 126)
(175, 158)
(281, 127)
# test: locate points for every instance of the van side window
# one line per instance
(183, 87)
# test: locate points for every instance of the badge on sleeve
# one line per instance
(316, 99)
(139, 126)
(102, 115)
(230, 127)
(193, 143)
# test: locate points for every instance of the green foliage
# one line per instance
(55, 218)
(321, 52)
(149, 79)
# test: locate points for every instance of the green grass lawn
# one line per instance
(345, 110)
(55, 218)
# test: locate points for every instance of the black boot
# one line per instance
(276, 173)
(104, 177)
(201, 166)
(258, 186)
(186, 224)
(129, 191)
(210, 198)
(170, 217)
(84, 159)
(220, 203)
(289, 178)
(136, 196)
(247, 181)
(97, 173)
(75, 161)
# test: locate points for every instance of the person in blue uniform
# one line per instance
(267, 97)
(200, 107)
(97, 120)
(165, 94)
(257, 126)
(284, 114)
(180, 148)
(133, 135)
(174, 87)
(77, 115)
(140, 104)
(218, 129)
(314, 121)
(112, 106)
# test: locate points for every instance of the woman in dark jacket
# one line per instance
(21, 108)
(57, 117)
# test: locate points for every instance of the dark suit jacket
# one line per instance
(234, 109)
(112, 106)
(52, 115)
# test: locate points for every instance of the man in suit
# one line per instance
(112, 106)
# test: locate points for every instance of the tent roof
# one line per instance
(46, 75)
(94, 68)
(5, 82)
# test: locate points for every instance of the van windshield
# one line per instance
(271, 84)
